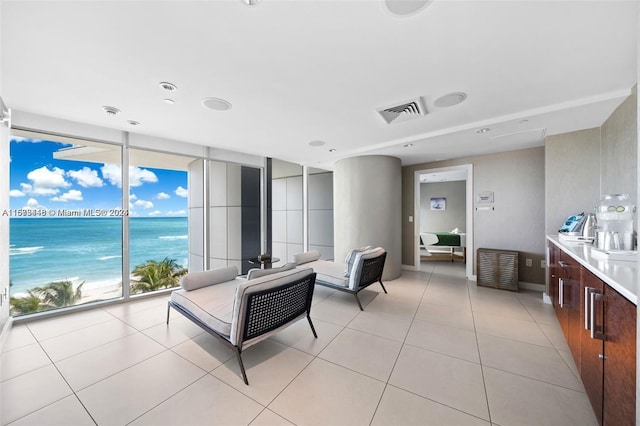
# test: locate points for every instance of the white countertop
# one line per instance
(621, 275)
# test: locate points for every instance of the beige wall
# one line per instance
(572, 176)
(619, 150)
(454, 216)
(517, 223)
(582, 166)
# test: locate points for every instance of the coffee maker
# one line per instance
(615, 215)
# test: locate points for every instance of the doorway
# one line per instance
(446, 174)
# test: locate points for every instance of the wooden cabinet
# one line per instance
(599, 325)
(591, 349)
(619, 360)
(567, 302)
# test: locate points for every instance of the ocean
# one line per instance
(43, 250)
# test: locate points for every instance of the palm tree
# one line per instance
(59, 294)
(154, 275)
(26, 305)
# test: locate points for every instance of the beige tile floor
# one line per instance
(436, 350)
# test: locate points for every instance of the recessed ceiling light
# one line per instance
(170, 101)
(317, 143)
(133, 122)
(110, 110)
(483, 130)
(450, 99)
(407, 145)
(332, 150)
(168, 86)
(250, 2)
(216, 104)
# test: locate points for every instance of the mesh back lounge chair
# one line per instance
(241, 312)
(363, 267)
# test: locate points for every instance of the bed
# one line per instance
(443, 245)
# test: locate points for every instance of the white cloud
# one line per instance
(32, 204)
(86, 177)
(72, 195)
(23, 139)
(144, 204)
(163, 196)
(181, 192)
(45, 181)
(137, 176)
(111, 172)
(155, 213)
(133, 197)
(16, 193)
(177, 213)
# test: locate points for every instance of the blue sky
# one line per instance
(37, 180)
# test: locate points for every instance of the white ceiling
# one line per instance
(308, 70)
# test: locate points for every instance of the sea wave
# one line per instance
(173, 237)
(108, 257)
(24, 250)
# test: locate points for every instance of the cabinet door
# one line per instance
(572, 302)
(620, 360)
(568, 308)
(552, 272)
(591, 362)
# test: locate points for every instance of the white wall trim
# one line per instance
(469, 213)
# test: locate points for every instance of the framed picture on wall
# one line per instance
(438, 203)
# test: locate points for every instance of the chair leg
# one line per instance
(168, 310)
(244, 374)
(358, 300)
(385, 290)
(312, 327)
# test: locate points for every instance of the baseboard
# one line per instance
(4, 333)
(532, 286)
(409, 268)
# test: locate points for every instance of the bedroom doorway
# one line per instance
(463, 220)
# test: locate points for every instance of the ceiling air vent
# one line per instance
(405, 111)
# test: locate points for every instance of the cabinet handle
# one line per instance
(587, 307)
(561, 292)
(594, 296)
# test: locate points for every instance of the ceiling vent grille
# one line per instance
(405, 111)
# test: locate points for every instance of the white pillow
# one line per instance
(195, 280)
(351, 258)
(306, 257)
(257, 273)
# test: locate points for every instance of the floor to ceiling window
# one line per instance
(68, 226)
(66, 216)
(158, 224)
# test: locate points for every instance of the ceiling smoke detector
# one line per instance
(408, 110)
(111, 110)
(170, 87)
